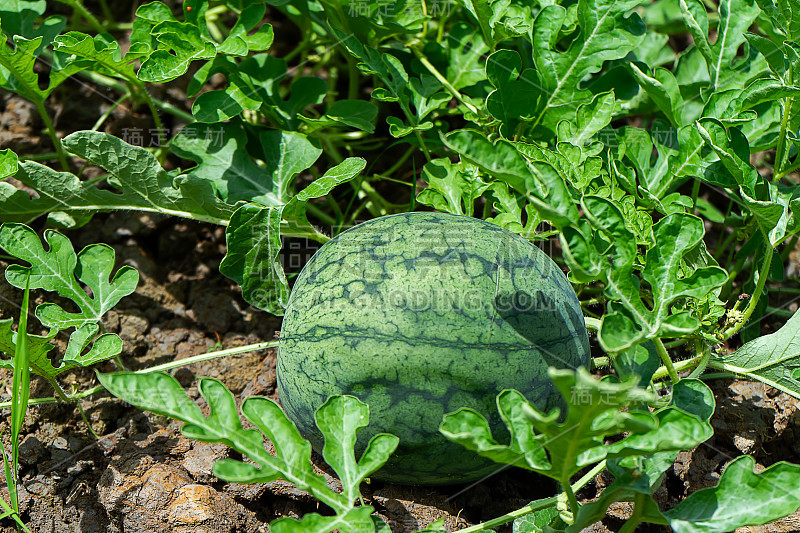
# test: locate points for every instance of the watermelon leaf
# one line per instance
(772, 359)
(605, 33)
(17, 73)
(518, 93)
(637, 482)
(59, 269)
(339, 419)
(145, 185)
(8, 164)
(736, 16)
(452, 188)
(254, 239)
(536, 522)
(355, 520)
(223, 160)
(504, 161)
(594, 412)
(174, 45)
(629, 321)
(770, 495)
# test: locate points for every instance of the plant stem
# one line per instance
(695, 192)
(680, 366)
(705, 355)
(153, 110)
(159, 368)
(571, 499)
(423, 145)
(51, 132)
(447, 85)
(789, 248)
(107, 14)
(354, 78)
(391, 170)
(751, 305)
(780, 150)
(121, 87)
(110, 110)
(785, 313)
(788, 170)
(117, 26)
(320, 214)
(537, 505)
(592, 323)
(662, 351)
(93, 22)
(675, 343)
(727, 242)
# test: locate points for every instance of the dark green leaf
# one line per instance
(223, 160)
(772, 359)
(741, 498)
(578, 438)
(145, 185)
(254, 242)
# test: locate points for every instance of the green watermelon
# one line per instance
(420, 314)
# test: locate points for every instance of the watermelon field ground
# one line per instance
(168, 168)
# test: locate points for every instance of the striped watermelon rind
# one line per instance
(420, 314)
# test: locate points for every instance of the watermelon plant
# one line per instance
(651, 148)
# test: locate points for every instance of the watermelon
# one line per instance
(417, 315)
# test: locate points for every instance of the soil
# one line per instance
(142, 475)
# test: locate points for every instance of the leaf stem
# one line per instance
(537, 505)
(158, 368)
(662, 351)
(592, 323)
(705, 355)
(571, 499)
(51, 132)
(121, 87)
(78, 6)
(763, 274)
(110, 110)
(788, 170)
(447, 85)
(680, 366)
(780, 150)
(354, 78)
(695, 192)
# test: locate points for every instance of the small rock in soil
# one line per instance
(201, 458)
(31, 451)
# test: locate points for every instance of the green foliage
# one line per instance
(339, 420)
(253, 239)
(772, 359)
(558, 445)
(60, 270)
(171, 46)
(726, 506)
